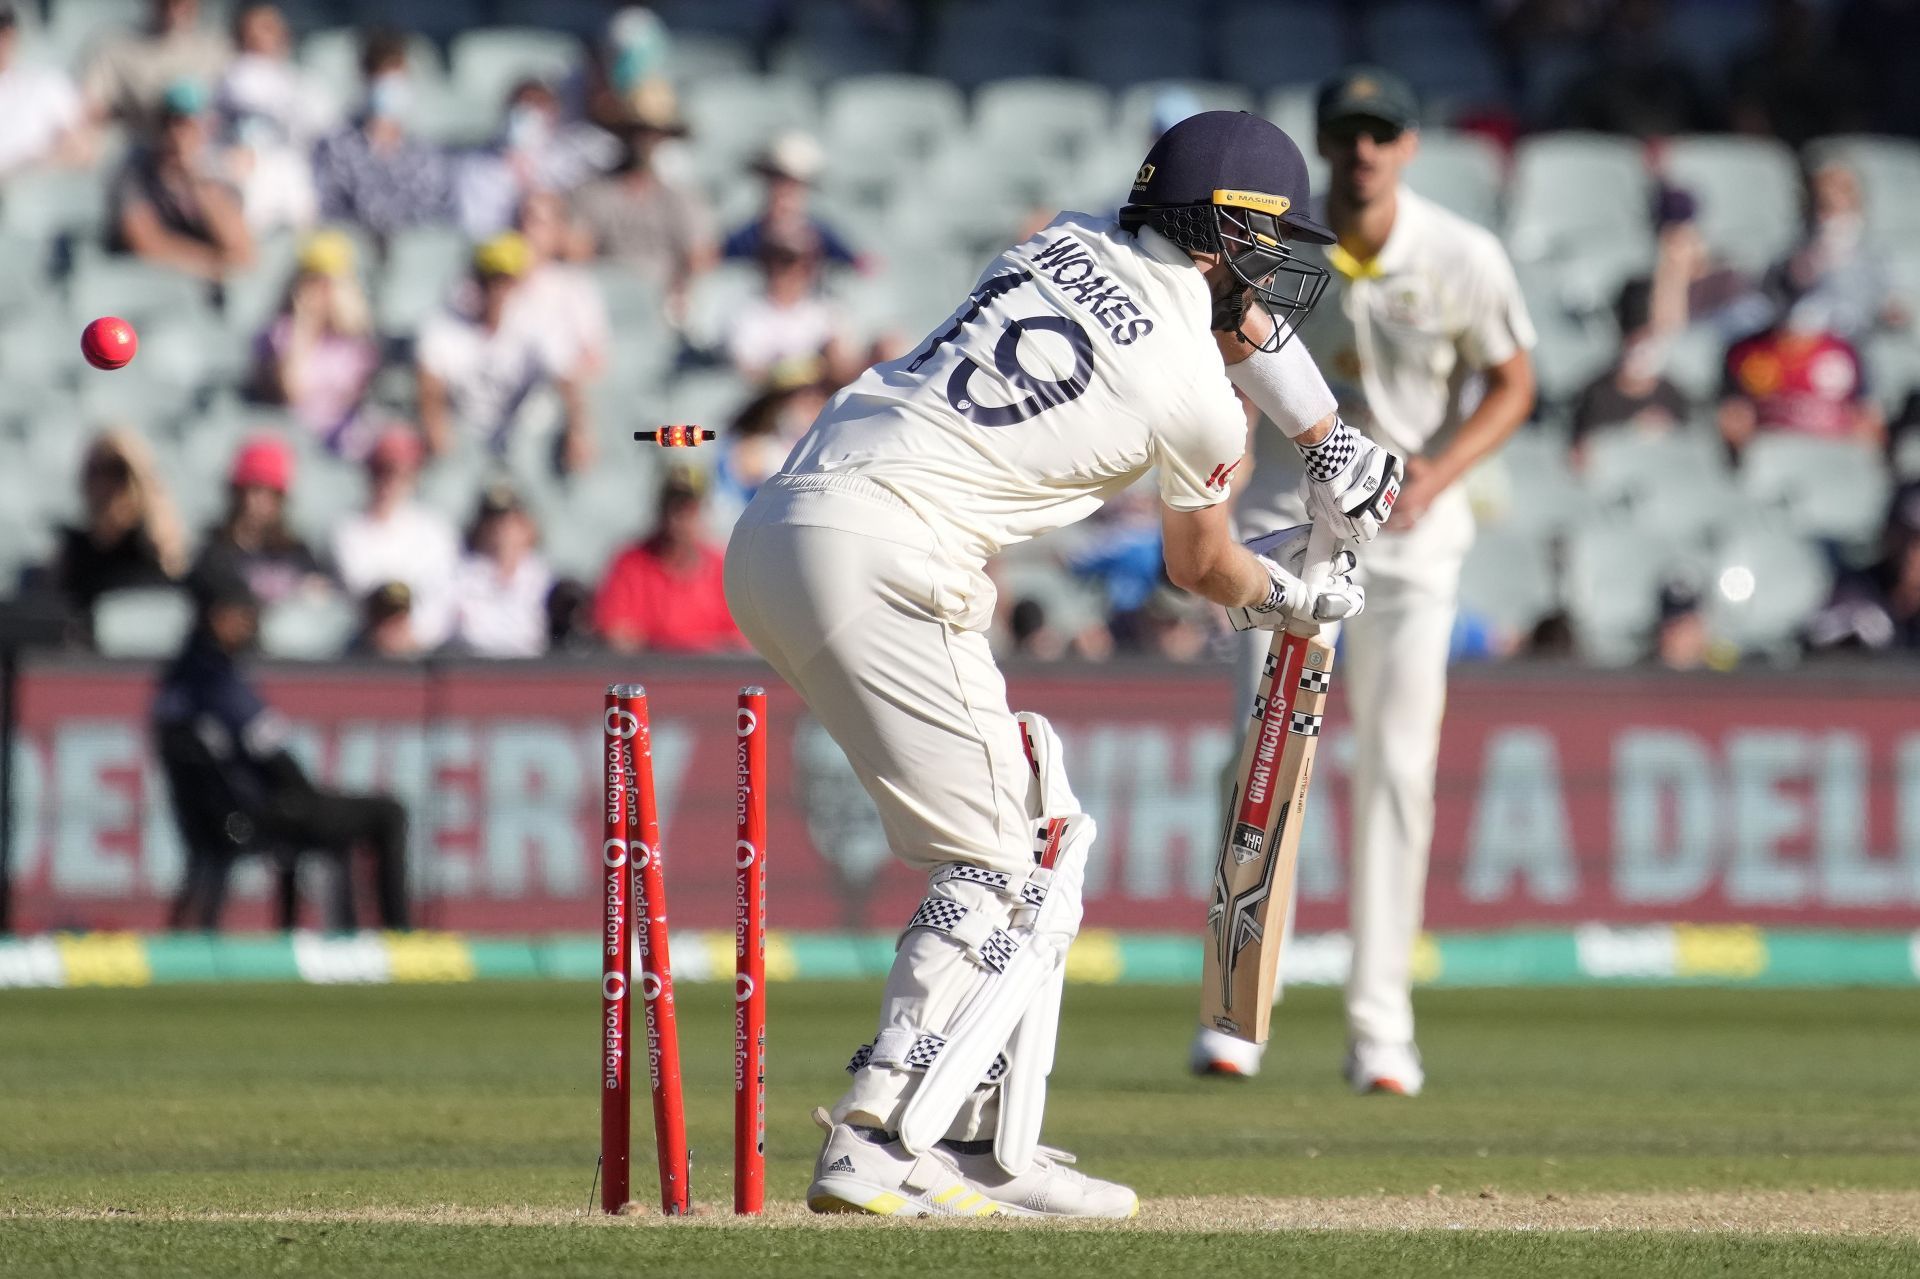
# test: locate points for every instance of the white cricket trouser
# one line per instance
(1392, 671)
(841, 588)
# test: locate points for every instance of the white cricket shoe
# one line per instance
(1048, 1188)
(1218, 1053)
(856, 1173)
(1389, 1068)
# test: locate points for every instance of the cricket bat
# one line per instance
(1253, 879)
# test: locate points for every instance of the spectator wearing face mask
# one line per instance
(172, 205)
(129, 77)
(538, 150)
(374, 173)
(1835, 264)
(1635, 392)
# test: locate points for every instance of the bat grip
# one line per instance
(1322, 546)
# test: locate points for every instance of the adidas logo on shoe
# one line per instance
(843, 1164)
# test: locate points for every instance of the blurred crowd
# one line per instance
(408, 290)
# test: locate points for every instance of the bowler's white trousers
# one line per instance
(1392, 673)
(844, 592)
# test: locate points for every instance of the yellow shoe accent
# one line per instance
(884, 1205)
(949, 1194)
(987, 1209)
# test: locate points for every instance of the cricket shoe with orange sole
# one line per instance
(1220, 1055)
(1384, 1068)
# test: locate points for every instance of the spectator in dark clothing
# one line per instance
(171, 204)
(242, 783)
(374, 173)
(1879, 607)
(253, 539)
(1635, 86)
(788, 167)
(1792, 85)
(130, 536)
(1633, 392)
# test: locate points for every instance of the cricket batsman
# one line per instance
(1424, 337)
(1094, 352)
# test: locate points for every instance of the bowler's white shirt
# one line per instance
(1398, 336)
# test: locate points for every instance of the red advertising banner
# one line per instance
(1564, 796)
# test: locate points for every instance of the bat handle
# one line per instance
(1322, 546)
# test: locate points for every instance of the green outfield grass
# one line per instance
(452, 1129)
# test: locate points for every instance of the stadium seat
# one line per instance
(1263, 45)
(1889, 172)
(1763, 585)
(951, 204)
(1508, 577)
(1575, 192)
(133, 397)
(699, 56)
(1614, 573)
(587, 519)
(193, 350)
(1696, 363)
(1575, 345)
(1054, 117)
(109, 284)
(326, 489)
(334, 56)
(886, 119)
(485, 64)
(1134, 123)
(1460, 171)
(1535, 493)
(40, 205)
(705, 397)
(1829, 489)
(1893, 368)
(1676, 485)
(77, 27)
(732, 116)
(423, 264)
(1749, 195)
(147, 623)
(308, 628)
(37, 352)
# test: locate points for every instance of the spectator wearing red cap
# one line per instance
(396, 540)
(252, 539)
(665, 594)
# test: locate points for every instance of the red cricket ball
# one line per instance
(109, 343)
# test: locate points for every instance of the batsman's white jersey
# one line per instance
(1399, 340)
(1081, 361)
